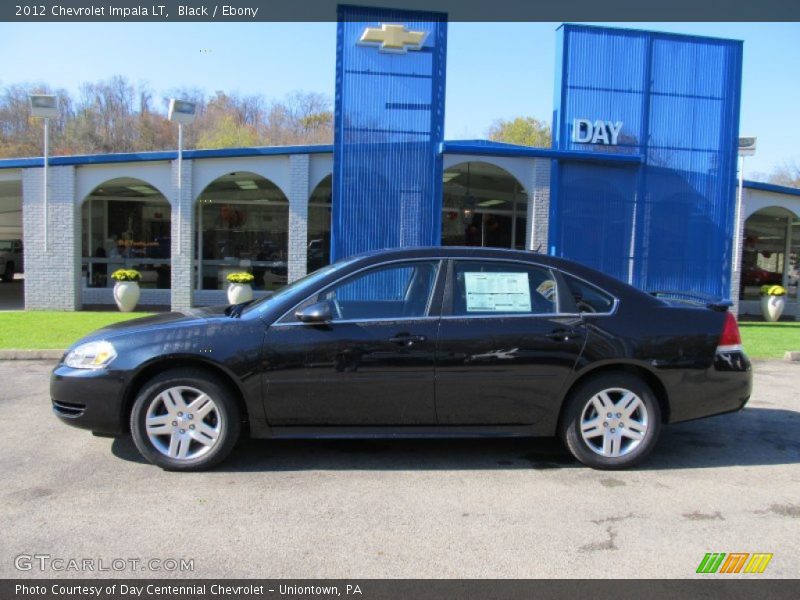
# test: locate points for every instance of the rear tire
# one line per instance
(185, 420)
(611, 421)
(8, 273)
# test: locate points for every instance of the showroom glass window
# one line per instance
(242, 225)
(498, 288)
(319, 225)
(770, 252)
(126, 224)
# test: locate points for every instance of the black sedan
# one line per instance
(410, 343)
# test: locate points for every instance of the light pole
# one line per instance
(746, 147)
(45, 107)
(182, 112)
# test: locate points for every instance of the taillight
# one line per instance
(730, 340)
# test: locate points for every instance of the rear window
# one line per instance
(588, 298)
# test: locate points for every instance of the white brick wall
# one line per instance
(738, 246)
(148, 297)
(538, 189)
(299, 166)
(183, 225)
(52, 276)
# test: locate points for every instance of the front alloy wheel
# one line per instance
(612, 421)
(185, 420)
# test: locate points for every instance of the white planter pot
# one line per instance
(772, 307)
(239, 292)
(126, 295)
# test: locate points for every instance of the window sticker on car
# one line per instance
(497, 292)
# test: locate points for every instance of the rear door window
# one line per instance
(496, 288)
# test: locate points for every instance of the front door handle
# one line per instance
(406, 339)
(561, 334)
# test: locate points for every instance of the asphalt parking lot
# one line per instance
(440, 508)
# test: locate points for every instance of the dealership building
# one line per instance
(640, 181)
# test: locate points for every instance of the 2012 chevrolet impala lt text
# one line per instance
(409, 343)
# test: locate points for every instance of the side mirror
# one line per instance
(316, 313)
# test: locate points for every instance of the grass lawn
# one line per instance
(770, 340)
(44, 330)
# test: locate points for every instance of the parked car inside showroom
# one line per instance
(442, 341)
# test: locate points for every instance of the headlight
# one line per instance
(92, 355)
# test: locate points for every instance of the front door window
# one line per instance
(388, 292)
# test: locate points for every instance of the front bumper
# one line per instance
(90, 399)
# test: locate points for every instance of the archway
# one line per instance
(126, 223)
(483, 205)
(770, 251)
(242, 225)
(319, 225)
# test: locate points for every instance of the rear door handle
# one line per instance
(561, 335)
(406, 339)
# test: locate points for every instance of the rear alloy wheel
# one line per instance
(612, 422)
(185, 420)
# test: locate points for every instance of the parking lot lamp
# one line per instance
(45, 107)
(182, 112)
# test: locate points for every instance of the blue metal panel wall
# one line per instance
(389, 127)
(678, 97)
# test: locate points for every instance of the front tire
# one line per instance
(611, 422)
(185, 420)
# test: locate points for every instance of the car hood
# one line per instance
(192, 316)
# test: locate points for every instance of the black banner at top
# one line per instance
(458, 10)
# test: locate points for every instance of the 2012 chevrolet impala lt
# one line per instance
(408, 343)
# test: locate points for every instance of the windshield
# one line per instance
(299, 286)
(4, 245)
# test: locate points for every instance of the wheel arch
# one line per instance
(170, 363)
(650, 378)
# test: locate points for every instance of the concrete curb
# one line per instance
(793, 356)
(31, 354)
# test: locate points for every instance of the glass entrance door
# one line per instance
(485, 229)
(483, 205)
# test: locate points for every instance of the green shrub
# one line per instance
(773, 290)
(243, 277)
(126, 275)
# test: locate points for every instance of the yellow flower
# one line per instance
(773, 290)
(126, 275)
(243, 277)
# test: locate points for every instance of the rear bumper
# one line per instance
(724, 388)
(89, 399)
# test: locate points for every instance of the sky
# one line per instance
(509, 73)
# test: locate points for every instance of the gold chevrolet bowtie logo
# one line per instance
(393, 38)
